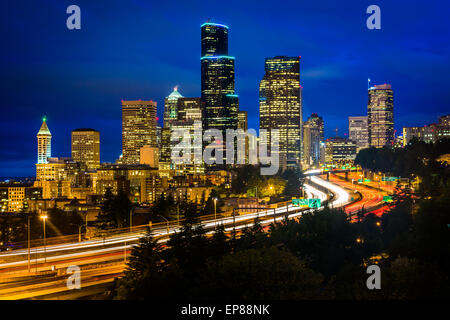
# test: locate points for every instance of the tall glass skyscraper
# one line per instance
(380, 116)
(219, 100)
(280, 107)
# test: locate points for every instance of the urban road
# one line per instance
(42, 272)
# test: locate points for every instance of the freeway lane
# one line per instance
(94, 252)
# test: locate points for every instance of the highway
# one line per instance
(102, 260)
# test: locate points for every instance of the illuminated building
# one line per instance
(429, 133)
(339, 150)
(221, 104)
(170, 107)
(380, 116)
(86, 147)
(189, 119)
(280, 107)
(139, 181)
(170, 115)
(243, 124)
(44, 138)
(358, 131)
(313, 135)
(138, 128)
(58, 176)
(150, 156)
(15, 197)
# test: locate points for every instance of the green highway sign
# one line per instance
(314, 203)
(311, 203)
(389, 179)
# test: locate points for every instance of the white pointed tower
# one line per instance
(44, 138)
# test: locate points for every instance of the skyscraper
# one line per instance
(170, 107)
(358, 131)
(86, 147)
(380, 116)
(280, 106)
(44, 138)
(138, 128)
(221, 104)
(313, 135)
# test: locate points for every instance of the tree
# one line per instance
(265, 273)
(115, 210)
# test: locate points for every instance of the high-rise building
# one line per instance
(44, 138)
(170, 107)
(138, 128)
(380, 116)
(221, 104)
(86, 147)
(280, 107)
(243, 120)
(358, 131)
(190, 120)
(313, 135)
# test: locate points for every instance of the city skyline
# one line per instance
(98, 97)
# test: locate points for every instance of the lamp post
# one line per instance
(28, 229)
(45, 244)
(166, 221)
(215, 213)
(131, 219)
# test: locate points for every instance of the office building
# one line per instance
(380, 116)
(313, 135)
(86, 147)
(339, 150)
(138, 128)
(220, 103)
(280, 107)
(358, 131)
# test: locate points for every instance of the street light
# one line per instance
(45, 244)
(215, 213)
(131, 219)
(29, 262)
(166, 221)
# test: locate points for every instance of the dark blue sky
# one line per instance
(141, 49)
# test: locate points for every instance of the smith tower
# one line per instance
(44, 138)
(220, 103)
(280, 107)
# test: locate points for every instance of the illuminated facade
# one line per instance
(221, 104)
(339, 150)
(86, 147)
(189, 120)
(429, 133)
(313, 135)
(170, 107)
(44, 138)
(358, 131)
(138, 128)
(280, 107)
(380, 116)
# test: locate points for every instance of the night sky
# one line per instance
(141, 49)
